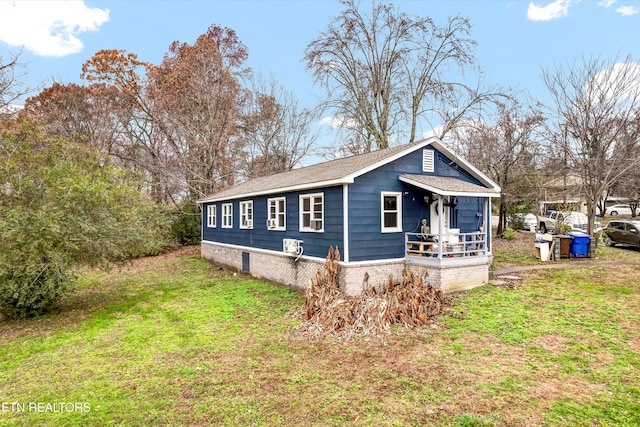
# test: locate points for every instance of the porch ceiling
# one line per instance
(448, 186)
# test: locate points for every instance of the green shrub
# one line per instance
(30, 289)
(509, 233)
(62, 206)
(517, 223)
(185, 223)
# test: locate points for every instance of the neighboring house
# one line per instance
(566, 193)
(563, 194)
(371, 207)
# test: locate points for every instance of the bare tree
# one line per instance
(197, 94)
(12, 85)
(143, 145)
(628, 185)
(596, 124)
(386, 71)
(77, 113)
(276, 133)
(506, 151)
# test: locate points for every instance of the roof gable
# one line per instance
(335, 172)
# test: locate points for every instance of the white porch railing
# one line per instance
(458, 245)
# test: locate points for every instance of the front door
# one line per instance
(434, 219)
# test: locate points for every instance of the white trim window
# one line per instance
(391, 212)
(312, 212)
(227, 215)
(211, 216)
(246, 214)
(277, 214)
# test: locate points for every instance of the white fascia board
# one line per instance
(466, 165)
(279, 190)
(390, 159)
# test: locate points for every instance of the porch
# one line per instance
(426, 249)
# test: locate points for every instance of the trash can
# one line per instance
(579, 244)
(563, 246)
(542, 245)
(542, 251)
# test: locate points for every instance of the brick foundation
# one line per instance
(283, 268)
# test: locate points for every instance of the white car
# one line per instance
(620, 210)
(577, 221)
(525, 220)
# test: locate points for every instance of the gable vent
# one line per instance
(427, 160)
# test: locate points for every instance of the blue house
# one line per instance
(417, 205)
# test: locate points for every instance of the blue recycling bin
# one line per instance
(579, 244)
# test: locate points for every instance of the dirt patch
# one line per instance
(554, 344)
(550, 389)
(522, 244)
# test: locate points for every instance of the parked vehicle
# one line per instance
(523, 221)
(623, 232)
(620, 210)
(576, 221)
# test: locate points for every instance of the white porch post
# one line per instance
(487, 230)
(440, 211)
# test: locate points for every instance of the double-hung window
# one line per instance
(391, 212)
(211, 216)
(276, 216)
(246, 214)
(312, 212)
(227, 215)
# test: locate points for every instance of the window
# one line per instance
(276, 214)
(227, 215)
(211, 216)
(312, 212)
(427, 160)
(391, 212)
(246, 214)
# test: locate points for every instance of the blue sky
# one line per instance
(516, 39)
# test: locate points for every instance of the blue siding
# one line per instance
(314, 243)
(366, 240)
(468, 215)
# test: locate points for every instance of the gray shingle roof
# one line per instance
(332, 172)
(448, 185)
(343, 171)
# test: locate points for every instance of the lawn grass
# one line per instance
(170, 340)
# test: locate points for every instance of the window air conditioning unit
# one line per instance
(249, 223)
(272, 223)
(316, 224)
(292, 246)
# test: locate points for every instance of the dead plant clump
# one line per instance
(328, 311)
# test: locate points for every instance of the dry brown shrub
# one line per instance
(412, 303)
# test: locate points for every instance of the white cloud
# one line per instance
(338, 122)
(619, 84)
(627, 10)
(48, 28)
(557, 9)
(606, 3)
